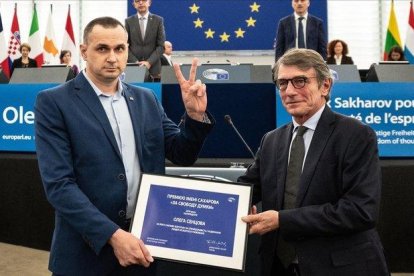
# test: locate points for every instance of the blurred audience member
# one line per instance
(337, 53)
(166, 57)
(146, 38)
(66, 58)
(300, 30)
(396, 53)
(24, 61)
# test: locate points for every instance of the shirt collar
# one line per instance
(305, 16)
(312, 122)
(119, 92)
(145, 15)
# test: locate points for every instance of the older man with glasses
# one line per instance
(319, 182)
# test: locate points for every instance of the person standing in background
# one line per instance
(300, 30)
(146, 36)
(337, 53)
(24, 61)
(166, 57)
(66, 58)
(319, 181)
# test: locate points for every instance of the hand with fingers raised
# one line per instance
(193, 92)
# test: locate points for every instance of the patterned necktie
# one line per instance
(294, 170)
(301, 36)
(142, 26)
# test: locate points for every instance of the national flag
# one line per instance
(14, 42)
(69, 39)
(393, 34)
(224, 25)
(409, 41)
(49, 45)
(34, 40)
(4, 55)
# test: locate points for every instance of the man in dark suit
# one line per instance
(288, 31)
(94, 136)
(146, 36)
(166, 56)
(319, 182)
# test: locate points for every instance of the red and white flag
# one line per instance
(14, 42)
(34, 40)
(69, 40)
(4, 55)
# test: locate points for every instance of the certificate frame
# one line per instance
(193, 220)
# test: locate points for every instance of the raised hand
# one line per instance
(193, 92)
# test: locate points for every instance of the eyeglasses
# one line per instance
(297, 82)
(143, 1)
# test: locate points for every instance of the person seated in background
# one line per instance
(166, 56)
(337, 53)
(66, 58)
(24, 61)
(396, 53)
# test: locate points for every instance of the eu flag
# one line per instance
(224, 24)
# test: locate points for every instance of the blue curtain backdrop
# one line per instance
(225, 24)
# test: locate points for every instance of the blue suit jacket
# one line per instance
(286, 35)
(82, 169)
(333, 224)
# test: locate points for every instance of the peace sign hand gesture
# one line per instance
(193, 92)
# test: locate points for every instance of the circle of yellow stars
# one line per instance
(225, 37)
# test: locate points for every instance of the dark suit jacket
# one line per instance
(333, 225)
(82, 169)
(286, 35)
(164, 61)
(152, 47)
(17, 63)
(344, 60)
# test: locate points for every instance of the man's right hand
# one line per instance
(129, 249)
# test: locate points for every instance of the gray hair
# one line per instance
(305, 59)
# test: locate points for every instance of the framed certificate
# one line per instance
(193, 220)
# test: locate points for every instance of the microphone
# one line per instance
(230, 122)
(232, 63)
(181, 121)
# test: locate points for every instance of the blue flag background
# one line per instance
(225, 24)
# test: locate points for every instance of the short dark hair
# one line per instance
(106, 22)
(305, 59)
(63, 53)
(331, 47)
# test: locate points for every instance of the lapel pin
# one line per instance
(131, 98)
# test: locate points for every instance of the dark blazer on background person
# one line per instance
(17, 63)
(286, 35)
(344, 60)
(164, 61)
(87, 167)
(333, 225)
(152, 47)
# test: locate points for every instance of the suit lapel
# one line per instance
(320, 138)
(149, 25)
(88, 96)
(292, 30)
(309, 27)
(282, 162)
(136, 118)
